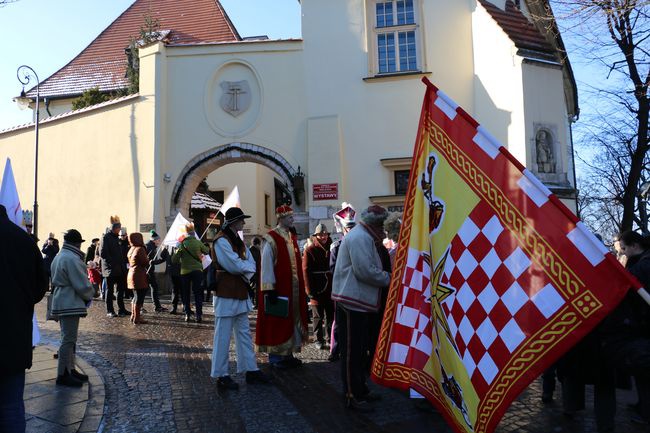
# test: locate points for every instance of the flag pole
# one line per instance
(209, 224)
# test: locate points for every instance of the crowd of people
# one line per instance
(339, 285)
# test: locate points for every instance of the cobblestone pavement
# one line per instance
(157, 379)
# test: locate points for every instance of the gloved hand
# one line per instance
(273, 296)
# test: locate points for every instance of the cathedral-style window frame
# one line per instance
(394, 33)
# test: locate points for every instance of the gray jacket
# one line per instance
(71, 288)
(358, 276)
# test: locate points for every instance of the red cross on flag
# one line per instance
(494, 278)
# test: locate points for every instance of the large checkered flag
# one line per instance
(494, 277)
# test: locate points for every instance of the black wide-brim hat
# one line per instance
(234, 214)
(73, 236)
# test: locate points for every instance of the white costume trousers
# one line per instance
(223, 328)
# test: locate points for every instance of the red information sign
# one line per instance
(325, 191)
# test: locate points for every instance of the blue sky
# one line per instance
(47, 34)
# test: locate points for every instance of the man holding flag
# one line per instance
(494, 277)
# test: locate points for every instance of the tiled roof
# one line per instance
(103, 63)
(514, 23)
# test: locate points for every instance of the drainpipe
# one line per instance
(573, 119)
(47, 106)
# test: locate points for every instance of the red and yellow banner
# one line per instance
(494, 277)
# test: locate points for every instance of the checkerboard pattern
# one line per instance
(500, 296)
(413, 328)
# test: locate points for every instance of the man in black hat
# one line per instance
(114, 269)
(71, 295)
(23, 284)
(156, 257)
(235, 267)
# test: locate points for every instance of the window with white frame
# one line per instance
(395, 36)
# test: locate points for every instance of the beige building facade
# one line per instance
(328, 118)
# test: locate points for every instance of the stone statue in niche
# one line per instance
(545, 156)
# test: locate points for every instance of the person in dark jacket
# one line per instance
(24, 284)
(174, 271)
(114, 269)
(626, 331)
(50, 250)
(92, 250)
(155, 258)
(318, 284)
(256, 252)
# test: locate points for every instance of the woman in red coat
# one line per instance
(137, 277)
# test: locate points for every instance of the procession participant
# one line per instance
(626, 330)
(137, 278)
(174, 272)
(235, 267)
(113, 268)
(344, 221)
(359, 279)
(24, 283)
(189, 254)
(256, 252)
(277, 335)
(71, 293)
(155, 258)
(318, 284)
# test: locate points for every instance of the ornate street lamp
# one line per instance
(25, 74)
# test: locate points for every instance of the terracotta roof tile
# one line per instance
(103, 63)
(522, 32)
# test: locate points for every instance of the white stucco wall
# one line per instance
(91, 166)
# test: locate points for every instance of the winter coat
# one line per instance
(71, 288)
(49, 251)
(110, 251)
(90, 253)
(189, 254)
(24, 283)
(316, 271)
(152, 251)
(359, 277)
(631, 319)
(138, 263)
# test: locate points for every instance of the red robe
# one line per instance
(276, 334)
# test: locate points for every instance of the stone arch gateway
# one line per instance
(205, 163)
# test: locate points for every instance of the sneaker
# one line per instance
(161, 309)
(82, 377)
(256, 376)
(68, 380)
(124, 313)
(111, 314)
(188, 318)
(173, 311)
(225, 382)
(319, 345)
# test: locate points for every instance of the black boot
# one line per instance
(68, 379)
(82, 377)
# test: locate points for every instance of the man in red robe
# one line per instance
(282, 305)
